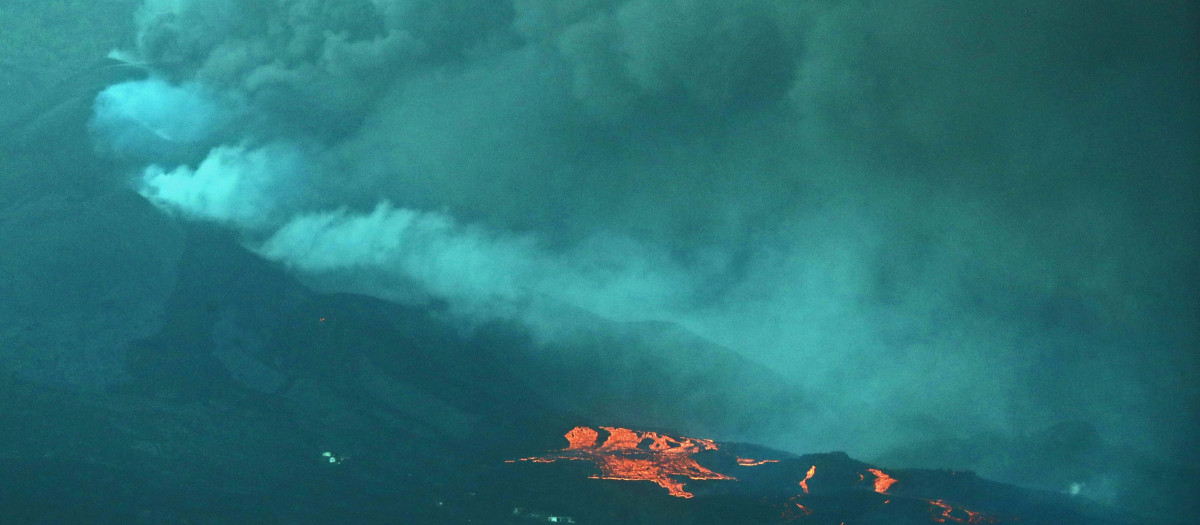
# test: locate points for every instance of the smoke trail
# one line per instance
(429, 253)
(235, 186)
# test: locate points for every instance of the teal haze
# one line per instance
(940, 221)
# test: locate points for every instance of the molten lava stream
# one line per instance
(744, 462)
(633, 455)
(882, 481)
(947, 514)
(807, 476)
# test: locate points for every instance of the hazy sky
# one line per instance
(936, 217)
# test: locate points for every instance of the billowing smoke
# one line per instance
(940, 220)
(234, 185)
(156, 120)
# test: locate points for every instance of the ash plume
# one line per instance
(939, 221)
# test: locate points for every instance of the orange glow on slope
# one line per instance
(788, 513)
(793, 510)
(947, 514)
(754, 462)
(635, 455)
(882, 481)
(581, 437)
(804, 482)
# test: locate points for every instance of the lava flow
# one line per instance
(807, 476)
(745, 462)
(636, 455)
(818, 485)
(882, 481)
(946, 513)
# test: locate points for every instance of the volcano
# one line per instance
(259, 401)
(154, 370)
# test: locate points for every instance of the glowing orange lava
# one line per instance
(804, 482)
(882, 481)
(754, 462)
(636, 455)
(948, 514)
(794, 510)
(633, 455)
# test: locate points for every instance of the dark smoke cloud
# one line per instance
(940, 220)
